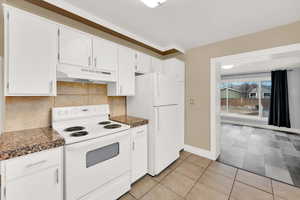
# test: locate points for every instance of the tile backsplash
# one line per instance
(35, 112)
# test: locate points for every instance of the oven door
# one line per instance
(91, 164)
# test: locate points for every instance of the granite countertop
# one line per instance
(19, 143)
(129, 120)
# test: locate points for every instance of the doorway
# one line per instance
(240, 134)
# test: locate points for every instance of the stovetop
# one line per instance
(82, 123)
(76, 131)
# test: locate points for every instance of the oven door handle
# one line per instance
(97, 142)
(84, 146)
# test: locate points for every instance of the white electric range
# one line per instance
(97, 152)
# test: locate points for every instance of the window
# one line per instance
(252, 95)
(223, 97)
(248, 98)
(265, 97)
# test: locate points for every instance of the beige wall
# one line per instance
(35, 112)
(198, 75)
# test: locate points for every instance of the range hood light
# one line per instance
(227, 66)
(153, 3)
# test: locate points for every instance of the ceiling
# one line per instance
(184, 24)
(288, 60)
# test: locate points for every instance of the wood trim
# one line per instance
(90, 23)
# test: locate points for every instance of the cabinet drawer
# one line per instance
(140, 130)
(31, 163)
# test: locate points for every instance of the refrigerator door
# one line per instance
(164, 91)
(166, 137)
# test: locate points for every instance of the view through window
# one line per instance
(250, 98)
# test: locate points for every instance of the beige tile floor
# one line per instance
(195, 178)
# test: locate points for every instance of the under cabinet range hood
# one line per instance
(82, 74)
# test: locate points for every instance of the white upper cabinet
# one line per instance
(125, 85)
(175, 68)
(30, 54)
(75, 47)
(105, 54)
(142, 62)
(157, 65)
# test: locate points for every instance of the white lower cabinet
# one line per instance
(33, 177)
(139, 153)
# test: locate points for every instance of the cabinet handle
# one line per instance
(133, 145)
(95, 62)
(4, 193)
(135, 67)
(89, 60)
(35, 164)
(57, 176)
(51, 86)
(106, 73)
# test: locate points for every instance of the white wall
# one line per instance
(294, 97)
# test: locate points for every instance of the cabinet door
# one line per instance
(36, 186)
(75, 48)
(105, 54)
(126, 72)
(157, 65)
(143, 62)
(175, 68)
(31, 55)
(139, 152)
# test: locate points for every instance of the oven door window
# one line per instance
(102, 154)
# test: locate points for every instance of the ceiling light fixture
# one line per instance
(153, 3)
(227, 66)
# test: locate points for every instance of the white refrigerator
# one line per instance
(157, 99)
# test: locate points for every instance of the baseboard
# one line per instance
(199, 152)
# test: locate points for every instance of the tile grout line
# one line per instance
(180, 163)
(132, 196)
(274, 179)
(198, 179)
(233, 184)
(272, 137)
(173, 171)
(272, 189)
(254, 187)
(158, 182)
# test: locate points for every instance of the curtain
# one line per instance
(279, 106)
